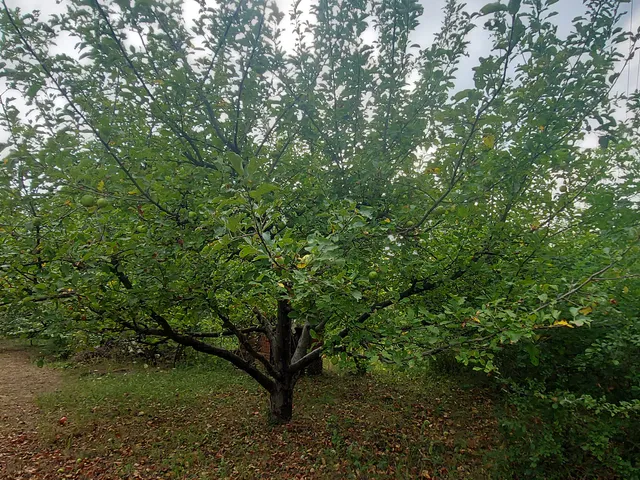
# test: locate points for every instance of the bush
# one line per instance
(577, 413)
(559, 435)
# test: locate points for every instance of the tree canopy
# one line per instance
(208, 178)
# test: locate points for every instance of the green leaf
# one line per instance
(494, 7)
(462, 95)
(233, 223)
(247, 251)
(253, 166)
(33, 90)
(236, 163)
(534, 354)
(604, 141)
(262, 189)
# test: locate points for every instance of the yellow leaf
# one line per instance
(541, 128)
(489, 140)
(562, 323)
(280, 284)
(586, 310)
(133, 192)
(386, 220)
(475, 319)
(101, 186)
(301, 265)
(625, 289)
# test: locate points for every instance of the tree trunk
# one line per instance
(281, 402)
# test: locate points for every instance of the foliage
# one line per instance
(194, 179)
(560, 435)
(577, 414)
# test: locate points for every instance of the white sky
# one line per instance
(429, 25)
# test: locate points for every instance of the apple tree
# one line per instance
(315, 177)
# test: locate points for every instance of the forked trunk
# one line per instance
(281, 403)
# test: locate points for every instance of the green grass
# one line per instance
(210, 422)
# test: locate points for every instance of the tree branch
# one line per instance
(307, 360)
(303, 343)
(188, 341)
(246, 344)
(581, 285)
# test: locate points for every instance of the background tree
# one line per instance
(198, 179)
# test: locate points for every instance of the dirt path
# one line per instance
(20, 382)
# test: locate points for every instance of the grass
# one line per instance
(209, 422)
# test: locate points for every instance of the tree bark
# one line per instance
(281, 402)
(281, 399)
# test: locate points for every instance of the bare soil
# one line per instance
(20, 382)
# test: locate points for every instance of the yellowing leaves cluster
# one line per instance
(489, 140)
(562, 323)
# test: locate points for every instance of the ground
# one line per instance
(110, 421)
(20, 382)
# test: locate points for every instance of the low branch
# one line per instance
(189, 341)
(415, 288)
(226, 333)
(246, 344)
(268, 329)
(435, 351)
(307, 360)
(192, 341)
(580, 286)
(44, 298)
(303, 343)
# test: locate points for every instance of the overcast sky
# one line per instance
(429, 22)
(429, 25)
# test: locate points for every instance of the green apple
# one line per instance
(439, 210)
(87, 201)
